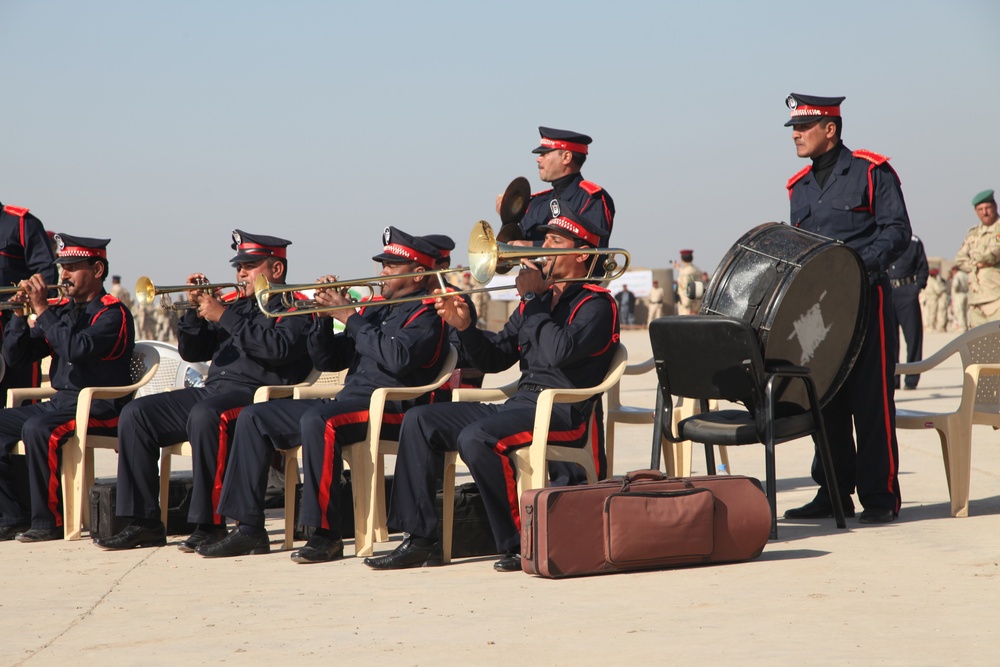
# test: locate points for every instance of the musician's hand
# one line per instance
(335, 298)
(453, 310)
(195, 279)
(37, 293)
(209, 306)
(531, 278)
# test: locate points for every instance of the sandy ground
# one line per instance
(920, 591)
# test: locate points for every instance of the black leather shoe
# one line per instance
(134, 536)
(877, 516)
(202, 537)
(319, 550)
(8, 532)
(408, 555)
(816, 509)
(236, 544)
(40, 535)
(511, 561)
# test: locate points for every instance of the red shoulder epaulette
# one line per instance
(299, 296)
(110, 300)
(874, 158)
(58, 301)
(228, 298)
(797, 177)
(15, 210)
(596, 288)
(541, 192)
(591, 187)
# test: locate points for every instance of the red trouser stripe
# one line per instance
(885, 394)
(503, 447)
(329, 451)
(225, 419)
(52, 456)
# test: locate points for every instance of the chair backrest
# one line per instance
(707, 357)
(145, 363)
(172, 371)
(983, 347)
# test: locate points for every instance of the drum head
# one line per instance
(805, 295)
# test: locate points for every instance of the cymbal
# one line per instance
(514, 202)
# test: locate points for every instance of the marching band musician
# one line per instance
(561, 155)
(90, 336)
(25, 250)
(564, 335)
(393, 345)
(854, 197)
(247, 350)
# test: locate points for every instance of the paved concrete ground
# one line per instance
(920, 591)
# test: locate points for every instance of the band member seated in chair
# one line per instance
(90, 336)
(395, 345)
(247, 350)
(563, 335)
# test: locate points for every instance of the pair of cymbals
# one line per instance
(513, 204)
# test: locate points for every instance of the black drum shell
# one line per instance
(805, 295)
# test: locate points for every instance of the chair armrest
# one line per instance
(270, 392)
(566, 395)
(93, 393)
(790, 370)
(641, 367)
(18, 397)
(477, 395)
(317, 391)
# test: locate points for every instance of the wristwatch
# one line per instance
(528, 296)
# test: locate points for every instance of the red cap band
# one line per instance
(811, 110)
(574, 229)
(83, 253)
(410, 254)
(257, 249)
(563, 145)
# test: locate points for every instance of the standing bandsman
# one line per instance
(395, 345)
(247, 350)
(854, 197)
(979, 256)
(561, 154)
(655, 299)
(564, 335)
(90, 336)
(25, 249)
(908, 275)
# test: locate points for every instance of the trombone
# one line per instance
(62, 288)
(146, 292)
(487, 257)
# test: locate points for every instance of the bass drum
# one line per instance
(805, 295)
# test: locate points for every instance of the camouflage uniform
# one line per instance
(982, 246)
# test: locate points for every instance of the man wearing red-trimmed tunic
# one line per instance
(564, 335)
(90, 336)
(247, 350)
(854, 197)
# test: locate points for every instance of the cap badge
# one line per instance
(791, 102)
(386, 236)
(59, 242)
(237, 239)
(554, 207)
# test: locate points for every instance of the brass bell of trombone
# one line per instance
(146, 292)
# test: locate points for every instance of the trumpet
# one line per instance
(487, 257)
(291, 301)
(146, 292)
(62, 288)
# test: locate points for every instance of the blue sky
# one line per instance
(165, 125)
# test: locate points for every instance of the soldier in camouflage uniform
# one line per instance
(979, 257)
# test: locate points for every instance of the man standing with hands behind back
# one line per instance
(854, 197)
(979, 256)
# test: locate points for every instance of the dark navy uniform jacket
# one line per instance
(570, 346)
(24, 248)
(246, 348)
(91, 346)
(912, 263)
(402, 345)
(861, 205)
(588, 200)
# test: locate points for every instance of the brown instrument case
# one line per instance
(642, 521)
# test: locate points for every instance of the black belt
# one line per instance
(899, 282)
(533, 388)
